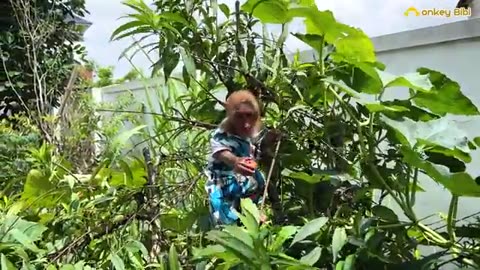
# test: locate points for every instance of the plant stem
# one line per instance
(452, 215)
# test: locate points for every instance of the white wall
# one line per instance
(143, 91)
(453, 49)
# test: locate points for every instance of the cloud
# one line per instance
(374, 17)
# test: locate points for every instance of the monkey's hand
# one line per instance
(243, 166)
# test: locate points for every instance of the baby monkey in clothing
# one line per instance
(232, 170)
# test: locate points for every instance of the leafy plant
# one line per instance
(347, 147)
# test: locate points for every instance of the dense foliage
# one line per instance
(348, 145)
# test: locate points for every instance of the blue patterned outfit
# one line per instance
(224, 187)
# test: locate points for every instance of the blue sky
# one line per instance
(375, 17)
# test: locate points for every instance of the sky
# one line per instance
(374, 17)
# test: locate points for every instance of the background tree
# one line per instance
(38, 51)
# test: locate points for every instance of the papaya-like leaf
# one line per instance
(268, 11)
(416, 81)
(442, 136)
(445, 96)
(352, 45)
(460, 184)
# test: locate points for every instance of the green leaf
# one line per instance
(188, 62)
(460, 184)
(311, 179)
(416, 81)
(39, 190)
(350, 262)
(338, 241)
(352, 45)
(345, 88)
(23, 239)
(170, 62)
(248, 205)
(135, 246)
(6, 264)
(174, 17)
(413, 112)
(117, 262)
(208, 251)
(68, 267)
(312, 257)
(384, 213)
(234, 245)
(365, 78)
(240, 233)
(445, 96)
(224, 8)
(268, 11)
(285, 233)
(442, 136)
(379, 107)
(314, 41)
(124, 27)
(173, 259)
(31, 230)
(122, 138)
(477, 141)
(310, 228)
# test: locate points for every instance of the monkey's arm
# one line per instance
(226, 156)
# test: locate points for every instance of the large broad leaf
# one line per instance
(361, 76)
(268, 11)
(352, 45)
(415, 81)
(415, 113)
(310, 228)
(460, 184)
(440, 136)
(32, 230)
(445, 97)
(40, 191)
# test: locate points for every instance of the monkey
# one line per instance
(232, 172)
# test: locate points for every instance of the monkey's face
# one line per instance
(244, 120)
